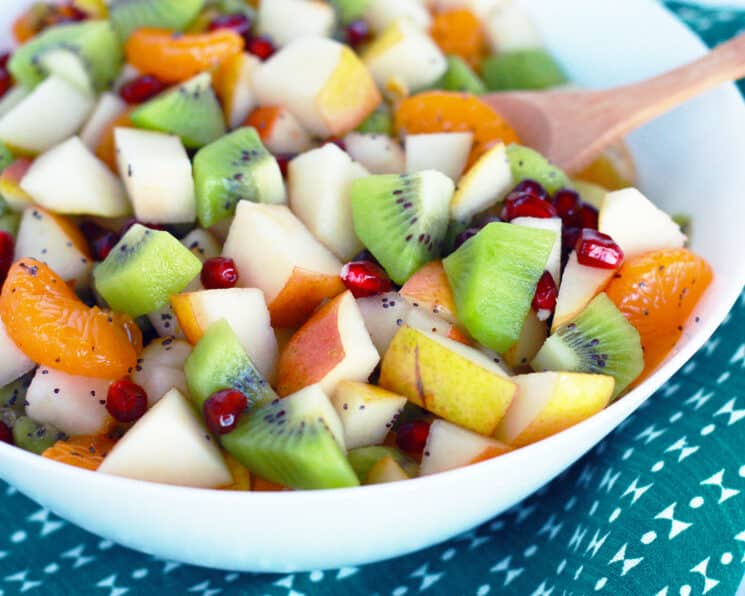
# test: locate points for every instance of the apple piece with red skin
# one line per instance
(429, 289)
(450, 446)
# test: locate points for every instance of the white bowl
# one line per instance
(690, 161)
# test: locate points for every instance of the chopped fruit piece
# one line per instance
(34, 436)
(450, 446)
(100, 240)
(494, 277)
(86, 452)
(567, 204)
(657, 293)
(589, 217)
(279, 130)
(383, 316)
(460, 32)
(233, 82)
(160, 368)
(126, 401)
(429, 289)
(7, 251)
(106, 148)
(219, 273)
(171, 446)
(386, 470)
(554, 225)
(365, 278)
(446, 152)
(364, 459)
(13, 362)
(595, 249)
(600, 340)
(238, 23)
(284, 21)
(550, 402)
(141, 89)
(241, 475)
(223, 409)
(332, 346)
(174, 59)
(357, 33)
(378, 153)
(510, 28)
(10, 184)
(579, 285)
(447, 378)
(525, 205)
(460, 77)
(412, 436)
(484, 185)
(128, 16)
(50, 324)
(529, 69)
(381, 13)
(544, 301)
(531, 339)
(108, 108)
(261, 47)
(367, 412)
(528, 164)
(424, 321)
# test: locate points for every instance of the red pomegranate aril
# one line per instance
(357, 33)
(126, 401)
(7, 251)
(283, 161)
(100, 240)
(526, 205)
(261, 47)
(546, 293)
(364, 278)
(567, 204)
(412, 436)
(6, 81)
(239, 23)
(223, 409)
(219, 273)
(4, 58)
(141, 89)
(595, 249)
(588, 216)
(532, 188)
(6, 435)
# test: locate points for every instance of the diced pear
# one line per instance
(579, 285)
(531, 340)
(366, 412)
(160, 368)
(233, 83)
(484, 185)
(385, 470)
(446, 152)
(284, 21)
(509, 28)
(450, 446)
(384, 314)
(429, 289)
(379, 154)
(381, 13)
(108, 108)
(13, 362)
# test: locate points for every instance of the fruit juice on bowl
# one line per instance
(300, 252)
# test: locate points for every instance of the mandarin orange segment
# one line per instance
(174, 58)
(657, 292)
(87, 452)
(54, 328)
(443, 111)
(263, 120)
(460, 32)
(106, 149)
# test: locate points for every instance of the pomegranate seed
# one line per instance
(4, 58)
(261, 47)
(595, 249)
(357, 33)
(336, 141)
(239, 23)
(412, 436)
(7, 251)
(219, 273)
(588, 216)
(525, 205)
(6, 435)
(546, 292)
(126, 401)
(223, 409)
(364, 278)
(569, 237)
(567, 204)
(465, 235)
(283, 161)
(141, 89)
(100, 240)
(532, 188)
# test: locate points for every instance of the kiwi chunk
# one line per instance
(6, 157)
(93, 44)
(363, 459)
(128, 15)
(380, 122)
(350, 10)
(599, 340)
(190, 111)
(459, 76)
(527, 164)
(529, 69)
(143, 270)
(296, 442)
(235, 168)
(34, 436)
(218, 362)
(402, 220)
(494, 276)
(13, 400)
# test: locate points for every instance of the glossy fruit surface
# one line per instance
(546, 293)
(126, 401)
(596, 249)
(87, 452)
(219, 273)
(412, 436)
(141, 89)
(365, 278)
(461, 33)
(223, 409)
(525, 205)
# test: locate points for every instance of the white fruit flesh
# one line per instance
(379, 154)
(287, 136)
(449, 446)
(67, 65)
(314, 399)
(553, 224)
(385, 470)
(531, 339)
(287, 20)
(446, 152)
(171, 446)
(108, 108)
(319, 188)
(13, 362)
(384, 314)
(267, 242)
(484, 185)
(424, 321)
(75, 405)
(508, 28)
(480, 8)
(579, 285)
(54, 111)
(70, 179)
(381, 13)
(242, 99)
(637, 225)
(202, 244)
(366, 412)
(157, 173)
(160, 368)
(12, 98)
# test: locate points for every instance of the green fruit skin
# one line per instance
(95, 41)
(35, 437)
(531, 69)
(460, 77)
(350, 10)
(494, 276)
(380, 122)
(6, 157)
(218, 362)
(363, 459)
(527, 163)
(164, 14)
(142, 282)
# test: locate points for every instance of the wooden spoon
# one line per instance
(572, 128)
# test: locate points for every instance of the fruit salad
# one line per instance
(285, 245)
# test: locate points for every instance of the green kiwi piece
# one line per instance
(402, 220)
(459, 76)
(599, 340)
(494, 276)
(527, 163)
(363, 459)
(530, 69)
(34, 436)
(218, 362)
(380, 122)
(143, 270)
(350, 10)
(232, 7)
(190, 111)
(13, 399)
(93, 43)
(6, 157)
(685, 223)
(235, 168)
(294, 442)
(128, 15)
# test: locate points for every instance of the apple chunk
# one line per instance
(169, 445)
(332, 346)
(160, 368)
(449, 446)
(446, 152)
(383, 315)
(429, 289)
(284, 21)
(276, 253)
(451, 380)
(579, 285)
(13, 362)
(549, 402)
